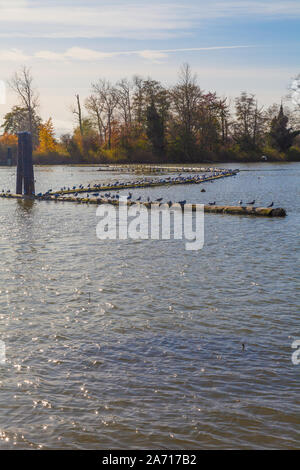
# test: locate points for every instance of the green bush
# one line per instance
(273, 154)
(293, 154)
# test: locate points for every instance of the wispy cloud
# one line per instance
(139, 20)
(90, 55)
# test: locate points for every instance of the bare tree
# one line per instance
(22, 84)
(294, 92)
(250, 121)
(124, 89)
(138, 99)
(108, 99)
(95, 110)
(186, 98)
(78, 113)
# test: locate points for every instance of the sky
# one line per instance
(232, 46)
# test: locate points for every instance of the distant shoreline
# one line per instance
(185, 164)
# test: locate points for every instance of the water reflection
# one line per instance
(25, 205)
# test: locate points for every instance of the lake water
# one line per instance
(138, 344)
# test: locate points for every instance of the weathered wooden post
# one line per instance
(9, 156)
(25, 174)
(19, 188)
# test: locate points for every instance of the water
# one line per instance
(138, 344)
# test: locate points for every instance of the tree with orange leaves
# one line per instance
(9, 140)
(46, 137)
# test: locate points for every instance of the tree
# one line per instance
(295, 91)
(107, 97)
(17, 121)
(78, 113)
(281, 135)
(138, 100)
(123, 90)
(155, 129)
(249, 124)
(8, 140)
(95, 110)
(186, 96)
(46, 137)
(22, 84)
(292, 113)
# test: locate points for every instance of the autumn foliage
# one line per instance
(47, 142)
(141, 120)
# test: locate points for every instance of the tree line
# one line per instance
(141, 120)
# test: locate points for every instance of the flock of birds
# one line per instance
(113, 193)
(148, 182)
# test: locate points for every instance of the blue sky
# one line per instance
(232, 45)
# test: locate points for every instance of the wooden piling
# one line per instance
(9, 157)
(19, 185)
(25, 174)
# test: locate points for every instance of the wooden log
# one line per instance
(246, 210)
(232, 210)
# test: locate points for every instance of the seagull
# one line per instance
(240, 203)
(271, 205)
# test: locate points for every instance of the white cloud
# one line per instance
(91, 55)
(80, 53)
(90, 19)
(48, 55)
(152, 55)
(13, 55)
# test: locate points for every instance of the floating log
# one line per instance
(232, 210)
(158, 168)
(246, 210)
(149, 184)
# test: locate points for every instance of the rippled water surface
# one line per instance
(138, 344)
